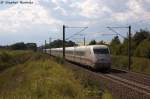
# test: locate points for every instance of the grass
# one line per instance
(11, 58)
(138, 64)
(28, 75)
(41, 78)
(93, 87)
(107, 95)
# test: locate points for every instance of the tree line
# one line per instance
(21, 46)
(59, 43)
(140, 45)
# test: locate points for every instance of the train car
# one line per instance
(95, 56)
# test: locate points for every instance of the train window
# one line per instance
(101, 51)
(80, 53)
(69, 52)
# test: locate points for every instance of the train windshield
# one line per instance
(101, 51)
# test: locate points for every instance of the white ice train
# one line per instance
(95, 56)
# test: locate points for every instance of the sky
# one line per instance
(43, 19)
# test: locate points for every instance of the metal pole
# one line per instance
(64, 42)
(129, 49)
(42, 48)
(84, 41)
(45, 46)
(50, 44)
(129, 43)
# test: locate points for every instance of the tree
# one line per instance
(58, 43)
(31, 46)
(115, 45)
(101, 43)
(23, 46)
(140, 36)
(143, 49)
(124, 47)
(70, 43)
(115, 41)
(93, 42)
(18, 46)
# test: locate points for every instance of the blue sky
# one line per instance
(44, 18)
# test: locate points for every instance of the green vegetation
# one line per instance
(92, 86)
(37, 77)
(20, 46)
(138, 64)
(143, 50)
(29, 75)
(12, 58)
(58, 43)
(39, 80)
(140, 51)
(107, 95)
(92, 42)
(140, 43)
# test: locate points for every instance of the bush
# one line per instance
(143, 49)
(120, 62)
(138, 64)
(12, 58)
(40, 79)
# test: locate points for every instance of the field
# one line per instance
(29, 75)
(141, 65)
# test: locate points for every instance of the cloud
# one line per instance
(25, 16)
(94, 9)
(136, 12)
(91, 9)
(45, 16)
(62, 11)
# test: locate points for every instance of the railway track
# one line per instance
(132, 76)
(126, 89)
(123, 85)
(136, 86)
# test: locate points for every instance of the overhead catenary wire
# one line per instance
(129, 43)
(110, 28)
(78, 33)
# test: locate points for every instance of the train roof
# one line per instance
(83, 47)
(97, 46)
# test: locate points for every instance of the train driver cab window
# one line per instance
(101, 51)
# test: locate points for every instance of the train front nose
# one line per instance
(103, 62)
(102, 58)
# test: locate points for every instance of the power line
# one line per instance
(111, 28)
(118, 27)
(64, 38)
(129, 43)
(78, 33)
(75, 27)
